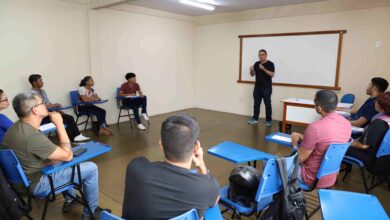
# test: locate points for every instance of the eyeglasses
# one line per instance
(42, 103)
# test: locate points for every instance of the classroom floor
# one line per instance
(216, 127)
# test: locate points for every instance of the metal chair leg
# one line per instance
(45, 207)
(119, 116)
(364, 179)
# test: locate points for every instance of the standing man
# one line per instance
(264, 71)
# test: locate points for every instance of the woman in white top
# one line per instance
(87, 94)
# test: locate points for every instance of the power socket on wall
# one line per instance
(378, 44)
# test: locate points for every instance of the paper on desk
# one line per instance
(47, 127)
(345, 114)
(281, 138)
(344, 105)
(357, 129)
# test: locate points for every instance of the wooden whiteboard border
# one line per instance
(335, 87)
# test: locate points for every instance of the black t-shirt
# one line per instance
(159, 190)
(262, 78)
(372, 137)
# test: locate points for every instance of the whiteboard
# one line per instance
(303, 60)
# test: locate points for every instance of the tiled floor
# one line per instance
(216, 127)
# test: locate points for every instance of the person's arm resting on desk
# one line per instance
(307, 145)
(360, 122)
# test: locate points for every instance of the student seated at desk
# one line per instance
(35, 151)
(5, 122)
(162, 190)
(87, 94)
(332, 128)
(71, 127)
(365, 113)
(131, 88)
(366, 147)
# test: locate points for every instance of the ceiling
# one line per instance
(222, 6)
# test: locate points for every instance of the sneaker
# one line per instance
(141, 127)
(252, 121)
(268, 123)
(69, 205)
(145, 116)
(80, 138)
(96, 214)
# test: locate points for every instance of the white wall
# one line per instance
(159, 50)
(64, 42)
(217, 57)
(42, 37)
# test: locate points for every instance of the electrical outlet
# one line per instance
(378, 44)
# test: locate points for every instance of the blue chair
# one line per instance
(344, 205)
(75, 101)
(108, 216)
(270, 184)
(330, 164)
(348, 98)
(190, 215)
(15, 175)
(384, 150)
(213, 213)
(119, 104)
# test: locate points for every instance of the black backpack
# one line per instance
(12, 206)
(290, 203)
(243, 184)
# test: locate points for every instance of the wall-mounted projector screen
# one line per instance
(304, 59)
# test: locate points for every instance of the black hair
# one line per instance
(327, 100)
(262, 50)
(179, 134)
(380, 83)
(129, 75)
(33, 78)
(84, 81)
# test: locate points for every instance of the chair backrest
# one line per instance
(384, 149)
(12, 168)
(108, 216)
(332, 159)
(348, 98)
(190, 215)
(74, 97)
(74, 100)
(270, 182)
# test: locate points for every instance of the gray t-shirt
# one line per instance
(31, 147)
(42, 92)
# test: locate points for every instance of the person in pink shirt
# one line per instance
(331, 128)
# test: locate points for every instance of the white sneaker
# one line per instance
(145, 116)
(141, 127)
(81, 137)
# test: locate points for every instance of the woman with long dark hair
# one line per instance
(87, 94)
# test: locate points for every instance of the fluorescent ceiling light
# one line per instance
(198, 4)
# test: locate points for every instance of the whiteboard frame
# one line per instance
(336, 85)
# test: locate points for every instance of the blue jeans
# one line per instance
(89, 176)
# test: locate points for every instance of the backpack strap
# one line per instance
(294, 175)
(283, 173)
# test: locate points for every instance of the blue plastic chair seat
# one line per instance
(241, 208)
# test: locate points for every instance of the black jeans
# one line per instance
(71, 127)
(134, 104)
(260, 93)
(97, 111)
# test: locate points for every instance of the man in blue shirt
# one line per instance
(5, 122)
(363, 116)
